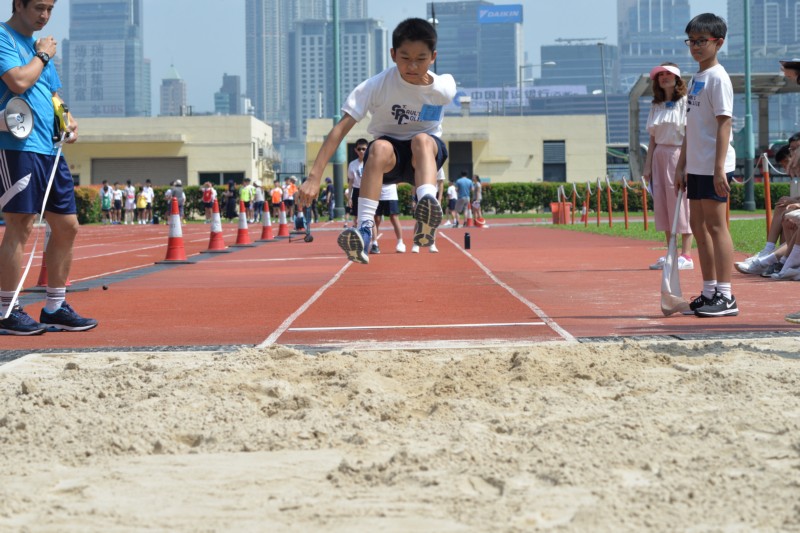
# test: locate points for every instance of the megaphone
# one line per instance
(17, 118)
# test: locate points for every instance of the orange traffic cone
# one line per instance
(266, 228)
(470, 222)
(216, 244)
(283, 227)
(243, 235)
(176, 254)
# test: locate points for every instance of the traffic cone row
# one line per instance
(216, 244)
(243, 235)
(176, 253)
(266, 228)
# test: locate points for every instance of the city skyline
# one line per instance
(200, 41)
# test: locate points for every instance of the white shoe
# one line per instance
(434, 249)
(685, 264)
(659, 265)
(751, 267)
(400, 248)
(447, 223)
(414, 249)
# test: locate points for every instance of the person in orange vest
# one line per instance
(290, 189)
(276, 197)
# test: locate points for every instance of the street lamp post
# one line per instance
(605, 90)
(521, 69)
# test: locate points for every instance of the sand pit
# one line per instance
(627, 436)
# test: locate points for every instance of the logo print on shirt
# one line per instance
(400, 114)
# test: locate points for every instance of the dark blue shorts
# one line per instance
(388, 208)
(23, 182)
(701, 187)
(403, 172)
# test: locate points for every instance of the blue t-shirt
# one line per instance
(463, 186)
(17, 50)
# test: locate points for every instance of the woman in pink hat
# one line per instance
(667, 126)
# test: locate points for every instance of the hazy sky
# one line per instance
(204, 39)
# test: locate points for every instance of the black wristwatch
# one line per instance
(44, 57)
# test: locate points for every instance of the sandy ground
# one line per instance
(628, 436)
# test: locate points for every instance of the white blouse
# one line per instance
(667, 122)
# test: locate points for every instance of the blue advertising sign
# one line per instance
(500, 14)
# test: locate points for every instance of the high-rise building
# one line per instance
(229, 99)
(103, 66)
(352, 9)
(480, 43)
(363, 43)
(173, 94)
(651, 32)
(267, 27)
(578, 63)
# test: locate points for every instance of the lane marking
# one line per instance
(112, 272)
(530, 305)
(269, 341)
(422, 326)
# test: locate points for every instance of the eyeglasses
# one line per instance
(699, 42)
(361, 149)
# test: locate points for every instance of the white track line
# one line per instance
(269, 341)
(423, 326)
(530, 305)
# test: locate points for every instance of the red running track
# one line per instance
(518, 284)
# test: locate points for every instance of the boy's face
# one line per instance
(704, 46)
(361, 149)
(413, 59)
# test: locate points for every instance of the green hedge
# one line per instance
(497, 198)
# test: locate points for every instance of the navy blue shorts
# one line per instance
(403, 172)
(23, 182)
(388, 208)
(701, 187)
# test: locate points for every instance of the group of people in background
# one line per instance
(126, 205)
(690, 151)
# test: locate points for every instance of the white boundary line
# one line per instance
(269, 341)
(422, 326)
(530, 305)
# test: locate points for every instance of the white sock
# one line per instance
(422, 191)
(55, 297)
(793, 260)
(366, 211)
(724, 289)
(768, 247)
(709, 288)
(5, 301)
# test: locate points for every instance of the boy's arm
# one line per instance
(721, 186)
(680, 169)
(309, 190)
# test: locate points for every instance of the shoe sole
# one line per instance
(708, 314)
(428, 215)
(744, 271)
(792, 320)
(353, 245)
(22, 333)
(61, 327)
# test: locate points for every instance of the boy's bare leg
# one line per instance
(428, 212)
(714, 214)
(423, 158)
(705, 246)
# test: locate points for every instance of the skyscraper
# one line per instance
(228, 100)
(173, 94)
(651, 32)
(104, 67)
(480, 43)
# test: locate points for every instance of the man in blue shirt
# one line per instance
(25, 169)
(463, 189)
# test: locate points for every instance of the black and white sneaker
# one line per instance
(718, 306)
(428, 215)
(774, 268)
(65, 319)
(696, 304)
(20, 323)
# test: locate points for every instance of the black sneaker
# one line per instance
(20, 323)
(374, 249)
(66, 319)
(428, 215)
(697, 303)
(774, 268)
(718, 306)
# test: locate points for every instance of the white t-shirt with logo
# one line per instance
(710, 95)
(354, 172)
(400, 109)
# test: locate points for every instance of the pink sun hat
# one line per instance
(664, 68)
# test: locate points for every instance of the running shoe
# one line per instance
(787, 274)
(428, 215)
(685, 263)
(696, 304)
(659, 265)
(774, 268)
(751, 267)
(355, 243)
(374, 249)
(794, 318)
(718, 306)
(434, 249)
(400, 248)
(66, 319)
(20, 323)
(414, 249)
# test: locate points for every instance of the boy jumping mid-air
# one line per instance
(406, 102)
